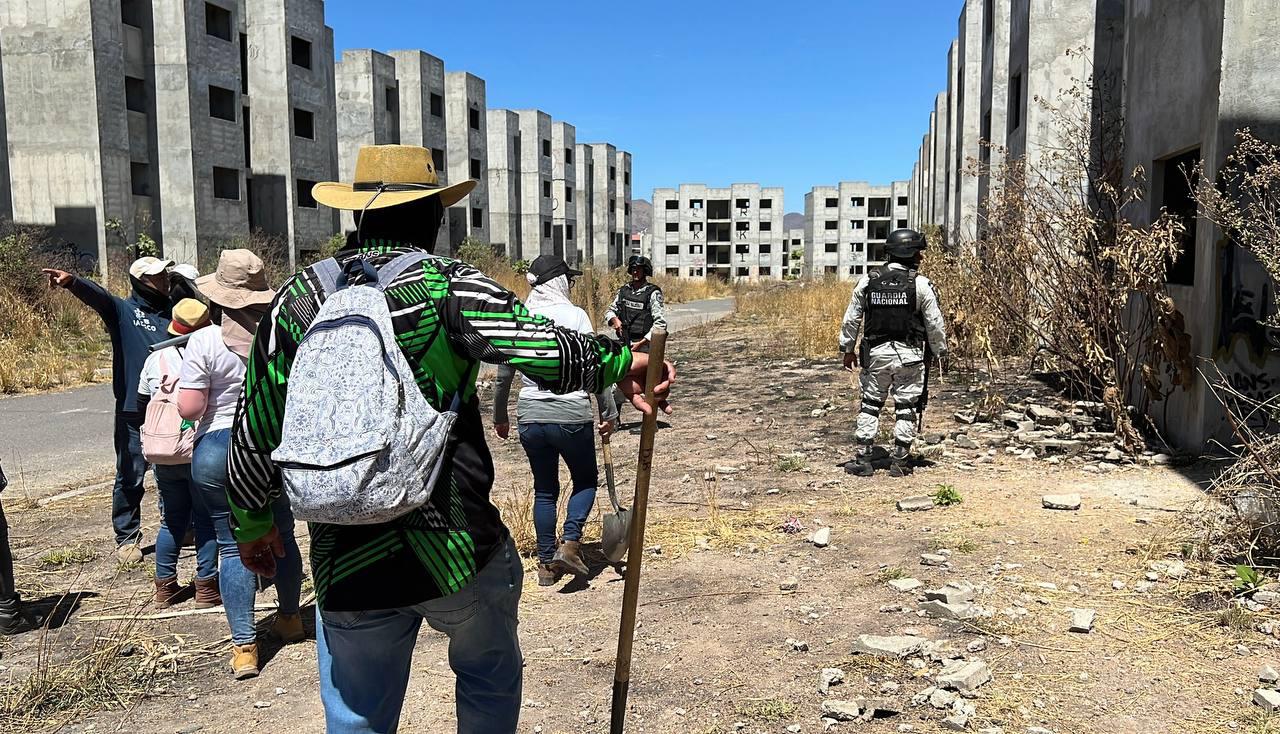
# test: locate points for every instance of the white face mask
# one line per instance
(238, 327)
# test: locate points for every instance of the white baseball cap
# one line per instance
(149, 266)
(187, 271)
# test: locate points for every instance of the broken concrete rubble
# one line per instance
(1061, 501)
(964, 676)
(905, 585)
(954, 592)
(915, 504)
(897, 646)
(841, 710)
(1082, 620)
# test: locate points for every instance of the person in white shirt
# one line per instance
(213, 373)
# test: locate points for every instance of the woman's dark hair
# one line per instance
(416, 223)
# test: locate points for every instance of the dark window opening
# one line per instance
(300, 52)
(305, 199)
(766, 271)
(135, 94)
(222, 103)
(833, 202)
(832, 224)
(673, 204)
(829, 270)
(859, 224)
(742, 249)
(568, 233)
(304, 124)
(437, 105)
(546, 189)
(743, 203)
(744, 272)
(392, 99)
(673, 226)
(244, 63)
(1178, 198)
(902, 224)
(1015, 102)
(226, 183)
(857, 201)
(546, 230)
(984, 143)
(473, 118)
(475, 168)
(140, 179)
(568, 156)
(626, 178)
(613, 172)
(131, 13)
(902, 201)
(766, 203)
(568, 194)
(831, 246)
(718, 209)
(765, 248)
(437, 160)
(626, 208)
(879, 231)
(248, 137)
(673, 249)
(546, 148)
(878, 208)
(742, 226)
(766, 226)
(988, 19)
(477, 217)
(217, 21)
(858, 246)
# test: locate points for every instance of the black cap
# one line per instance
(548, 267)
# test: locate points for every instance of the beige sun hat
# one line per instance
(239, 281)
(390, 175)
(149, 266)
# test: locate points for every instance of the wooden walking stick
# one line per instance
(639, 508)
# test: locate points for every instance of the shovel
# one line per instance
(617, 525)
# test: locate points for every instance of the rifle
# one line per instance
(923, 402)
(176, 341)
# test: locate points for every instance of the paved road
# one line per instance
(58, 440)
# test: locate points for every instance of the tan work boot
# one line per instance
(167, 592)
(207, 594)
(129, 553)
(567, 559)
(547, 576)
(288, 627)
(244, 660)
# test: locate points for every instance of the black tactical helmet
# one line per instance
(639, 262)
(905, 243)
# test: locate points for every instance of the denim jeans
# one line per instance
(364, 657)
(546, 444)
(8, 589)
(181, 507)
(237, 584)
(126, 496)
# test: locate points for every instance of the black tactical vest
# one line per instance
(633, 310)
(891, 310)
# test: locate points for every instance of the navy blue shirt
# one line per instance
(134, 323)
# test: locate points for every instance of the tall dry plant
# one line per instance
(1060, 259)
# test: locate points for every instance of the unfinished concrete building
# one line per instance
(604, 203)
(420, 79)
(732, 233)
(535, 190)
(6, 197)
(793, 250)
(504, 181)
(967, 146)
(846, 226)
(564, 184)
(466, 153)
(368, 108)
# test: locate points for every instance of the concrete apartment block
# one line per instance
(846, 226)
(995, 96)
(940, 136)
(292, 120)
(603, 232)
(6, 197)
(952, 169)
(969, 53)
(504, 180)
(466, 154)
(793, 250)
(1195, 73)
(368, 108)
(73, 172)
(564, 185)
(622, 185)
(420, 77)
(732, 233)
(536, 156)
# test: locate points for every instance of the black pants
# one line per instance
(8, 591)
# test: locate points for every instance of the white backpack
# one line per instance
(360, 444)
(167, 439)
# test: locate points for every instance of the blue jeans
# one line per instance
(237, 584)
(364, 657)
(546, 444)
(126, 496)
(181, 507)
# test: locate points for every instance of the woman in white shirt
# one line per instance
(212, 378)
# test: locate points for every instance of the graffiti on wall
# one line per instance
(1244, 350)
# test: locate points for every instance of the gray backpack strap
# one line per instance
(327, 272)
(392, 270)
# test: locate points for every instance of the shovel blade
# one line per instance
(616, 534)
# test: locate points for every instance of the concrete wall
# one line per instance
(564, 185)
(535, 192)
(422, 116)
(603, 249)
(368, 108)
(504, 151)
(993, 125)
(622, 206)
(969, 53)
(794, 243)
(467, 148)
(6, 198)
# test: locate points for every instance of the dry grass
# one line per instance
(803, 317)
(69, 555)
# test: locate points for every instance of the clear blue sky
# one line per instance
(791, 94)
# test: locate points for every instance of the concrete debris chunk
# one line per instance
(905, 585)
(1061, 501)
(822, 537)
(915, 504)
(828, 678)
(797, 645)
(942, 610)
(932, 559)
(964, 442)
(841, 710)
(790, 583)
(976, 646)
(1038, 730)
(954, 592)
(896, 646)
(1044, 415)
(1082, 620)
(1268, 675)
(956, 722)
(968, 417)
(942, 699)
(1266, 597)
(965, 677)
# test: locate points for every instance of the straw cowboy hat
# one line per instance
(239, 281)
(188, 315)
(390, 175)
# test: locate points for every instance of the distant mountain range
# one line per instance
(642, 217)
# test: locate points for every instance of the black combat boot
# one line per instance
(861, 465)
(900, 461)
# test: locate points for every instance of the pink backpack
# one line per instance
(167, 438)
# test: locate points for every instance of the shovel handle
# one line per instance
(607, 448)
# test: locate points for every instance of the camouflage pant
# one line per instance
(884, 377)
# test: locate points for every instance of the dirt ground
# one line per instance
(712, 651)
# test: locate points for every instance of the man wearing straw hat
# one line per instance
(450, 562)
